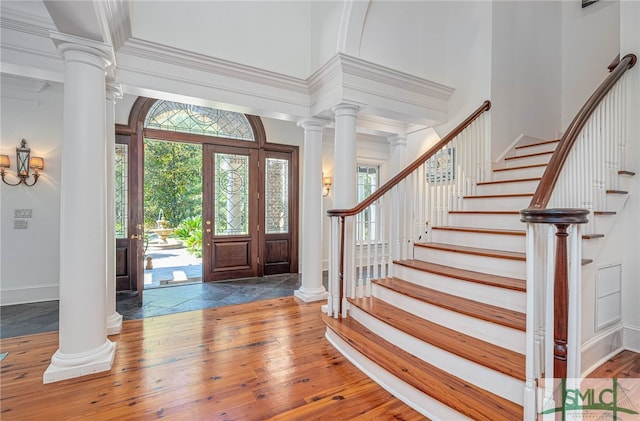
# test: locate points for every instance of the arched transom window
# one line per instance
(185, 118)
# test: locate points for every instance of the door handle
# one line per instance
(208, 230)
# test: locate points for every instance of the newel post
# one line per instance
(562, 219)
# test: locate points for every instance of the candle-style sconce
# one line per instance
(24, 163)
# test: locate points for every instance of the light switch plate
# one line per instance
(20, 224)
(23, 213)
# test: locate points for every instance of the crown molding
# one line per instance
(387, 93)
(183, 58)
(26, 22)
(115, 16)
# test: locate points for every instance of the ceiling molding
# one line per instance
(116, 18)
(183, 58)
(26, 22)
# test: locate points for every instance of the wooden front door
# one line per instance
(230, 212)
(279, 212)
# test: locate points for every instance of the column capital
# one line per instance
(313, 123)
(397, 140)
(346, 109)
(114, 90)
(82, 50)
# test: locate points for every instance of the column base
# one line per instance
(114, 323)
(69, 366)
(309, 296)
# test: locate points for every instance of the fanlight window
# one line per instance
(185, 118)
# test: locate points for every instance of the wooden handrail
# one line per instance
(411, 168)
(552, 173)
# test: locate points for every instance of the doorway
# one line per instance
(172, 213)
(248, 192)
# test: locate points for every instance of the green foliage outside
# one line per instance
(190, 231)
(172, 182)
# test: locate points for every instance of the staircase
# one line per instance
(446, 332)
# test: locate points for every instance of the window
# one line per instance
(368, 180)
(186, 118)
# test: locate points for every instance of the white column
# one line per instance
(398, 152)
(83, 344)
(312, 288)
(114, 319)
(344, 176)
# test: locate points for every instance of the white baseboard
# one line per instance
(631, 338)
(601, 347)
(30, 294)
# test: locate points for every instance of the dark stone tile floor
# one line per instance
(27, 319)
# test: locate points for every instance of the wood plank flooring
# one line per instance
(261, 360)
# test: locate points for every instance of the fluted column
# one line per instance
(83, 344)
(114, 319)
(312, 288)
(344, 174)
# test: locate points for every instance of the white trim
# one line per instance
(601, 347)
(631, 338)
(521, 137)
(30, 294)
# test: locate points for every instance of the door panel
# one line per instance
(230, 209)
(278, 213)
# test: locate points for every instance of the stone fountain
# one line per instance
(163, 231)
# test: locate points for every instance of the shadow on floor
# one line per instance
(27, 319)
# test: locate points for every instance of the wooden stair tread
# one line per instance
(592, 236)
(495, 196)
(509, 158)
(515, 180)
(623, 172)
(617, 192)
(476, 251)
(483, 230)
(466, 275)
(484, 353)
(463, 397)
(544, 142)
(487, 312)
(520, 168)
(604, 212)
(487, 212)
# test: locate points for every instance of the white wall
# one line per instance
(630, 43)
(325, 19)
(590, 41)
(30, 257)
(525, 77)
(271, 35)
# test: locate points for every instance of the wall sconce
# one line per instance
(23, 155)
(326, 182)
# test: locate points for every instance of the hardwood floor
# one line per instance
(261, 360)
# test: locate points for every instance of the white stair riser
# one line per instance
(496, 203)
(591, 248)
(479, 375)
(529, 160)
(519, 173)
(490, 221)
(507, 298)
(486, 264)
(507, 188)
(546, 147)
(615, 202)
(499, 335)
(423, 403)
(486, 241)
